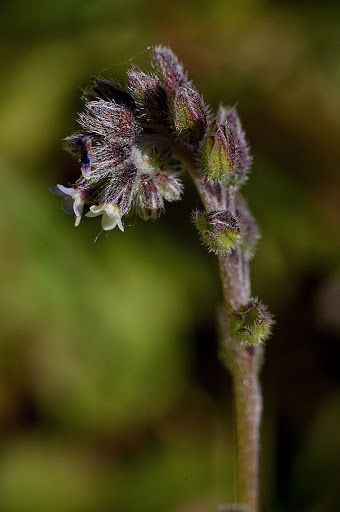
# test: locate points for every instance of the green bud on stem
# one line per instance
(219, 230)
(251, 324)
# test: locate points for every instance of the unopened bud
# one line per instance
(169, 186)
(190, 117)
(149, 95)
(168, 68)
(237, 145)
(219, 230)
(119, 190)
(108, 90)
(251, 324)
(149, 202)
(215, 156)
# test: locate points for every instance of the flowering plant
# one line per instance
(134, 144)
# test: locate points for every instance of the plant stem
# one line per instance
(244, 360)
(244, 365)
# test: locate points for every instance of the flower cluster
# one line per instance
(127, 149)
(133, 146)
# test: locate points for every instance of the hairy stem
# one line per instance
(244, 360)
(244, 365)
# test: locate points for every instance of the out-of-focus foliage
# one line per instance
(111, 393)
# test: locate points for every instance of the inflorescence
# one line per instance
(132, 143)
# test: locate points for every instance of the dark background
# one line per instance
(112, 397)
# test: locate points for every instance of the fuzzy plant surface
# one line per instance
(133, 145)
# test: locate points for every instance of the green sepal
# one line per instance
(215, 156)
(219, 231)
(189, 114)
(251, 323)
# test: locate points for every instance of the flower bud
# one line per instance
(107, 90)
(109, 120)
(149, 202)
(120, 189)
(237, 145)
(169, 186)
(219, 230)
(215, 157)
(251, 324)
(190, 117)
(168, 68)
(149, 96)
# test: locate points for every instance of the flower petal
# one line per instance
(108, 222)
(56, 190)
(120, 225)
(67, 204)
(66, 191)
(92, 214)
(78, 206)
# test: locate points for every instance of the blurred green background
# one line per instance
(112, 397)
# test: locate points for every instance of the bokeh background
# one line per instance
(112, 396)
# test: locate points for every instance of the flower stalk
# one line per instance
(243, 362)
(135, 143)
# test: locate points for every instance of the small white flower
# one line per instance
(73, 201)
(111, 215)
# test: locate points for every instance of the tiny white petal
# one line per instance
(97, 208)
(108, 222)
(78, 206)
(68, 191)
(120, 225)
(111, 215)
(112, 210)
(92, 214)
(56, 190)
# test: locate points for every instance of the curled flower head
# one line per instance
(124, 155)
(134, 143)
(111, 215)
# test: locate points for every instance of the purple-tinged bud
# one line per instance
(169, 187)
(149, 96)
(251, 323)
(168, 68)
(107, 158)
(109, 120)
(237, 145)
(86, 155)
(120, 189)
(108, 90)
(149, 202)
(189, 113)
(214, 157)
(80, 146)
(219, 231)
